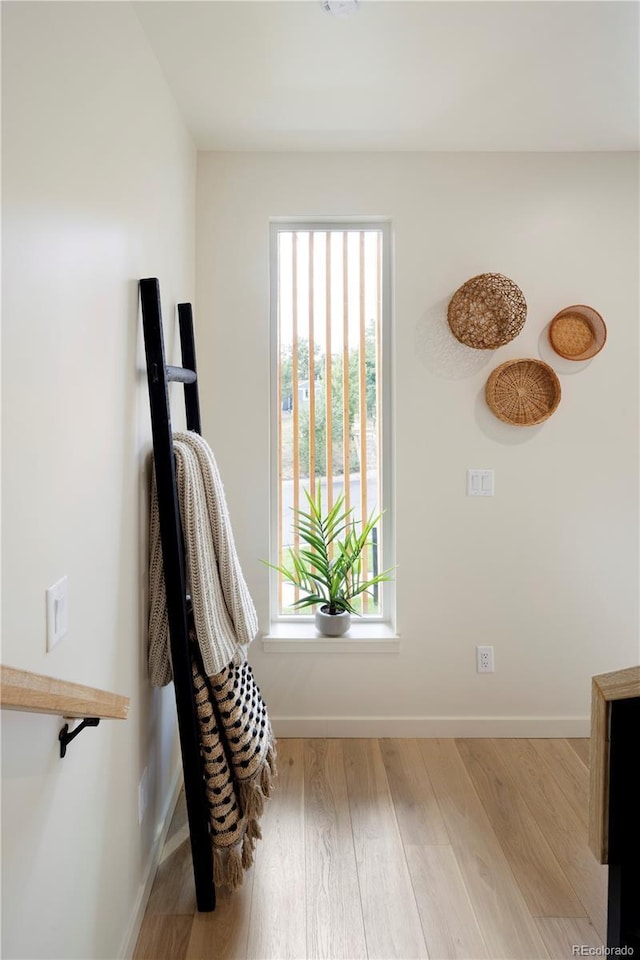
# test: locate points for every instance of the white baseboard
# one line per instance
(133, 930)
(516, 727)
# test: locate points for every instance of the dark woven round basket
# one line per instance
(487, 311)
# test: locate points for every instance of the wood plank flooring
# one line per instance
(397, 850)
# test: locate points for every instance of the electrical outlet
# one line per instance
(142, 795)
(484, 659)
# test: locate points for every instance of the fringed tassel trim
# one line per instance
(268, 771)
(229, 863)
(254, 831)
(252, 793)
(251, 799)
(228, 866)
(247, 851)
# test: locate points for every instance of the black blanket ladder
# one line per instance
(159, 375)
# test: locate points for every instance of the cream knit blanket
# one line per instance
(225, 618)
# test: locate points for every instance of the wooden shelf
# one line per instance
(605, 688)
(35, 693)
(619, 685)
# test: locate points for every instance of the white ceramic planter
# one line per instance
(332, 624)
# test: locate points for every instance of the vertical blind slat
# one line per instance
(345, 371)
(280, 435)
(363, 415)
(328, 400)
(379, 355)
(294, 389)
(312, 376)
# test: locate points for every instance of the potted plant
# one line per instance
(328, 566)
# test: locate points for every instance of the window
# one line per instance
(330, 400)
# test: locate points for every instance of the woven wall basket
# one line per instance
(523, 392)
(577, 332)
(487, 311)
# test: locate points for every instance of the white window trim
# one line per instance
(363, 637)
(367, 634)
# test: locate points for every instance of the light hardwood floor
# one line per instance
(400, 849)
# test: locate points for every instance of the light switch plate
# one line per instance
(57, 613)
(480, 483)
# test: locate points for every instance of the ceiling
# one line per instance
(401, 74)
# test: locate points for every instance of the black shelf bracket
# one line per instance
(65, 737)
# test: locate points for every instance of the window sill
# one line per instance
(363, 637)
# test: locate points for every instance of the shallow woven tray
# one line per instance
(577, 332)
(523, 392)
(487, 311)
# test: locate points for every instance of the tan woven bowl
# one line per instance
(577, 332)
(523, 392)
(487, 311)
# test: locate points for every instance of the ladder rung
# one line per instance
(181, 375)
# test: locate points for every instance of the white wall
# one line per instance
(547, 570)
(98, 191)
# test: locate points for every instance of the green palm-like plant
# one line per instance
(330, 581)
